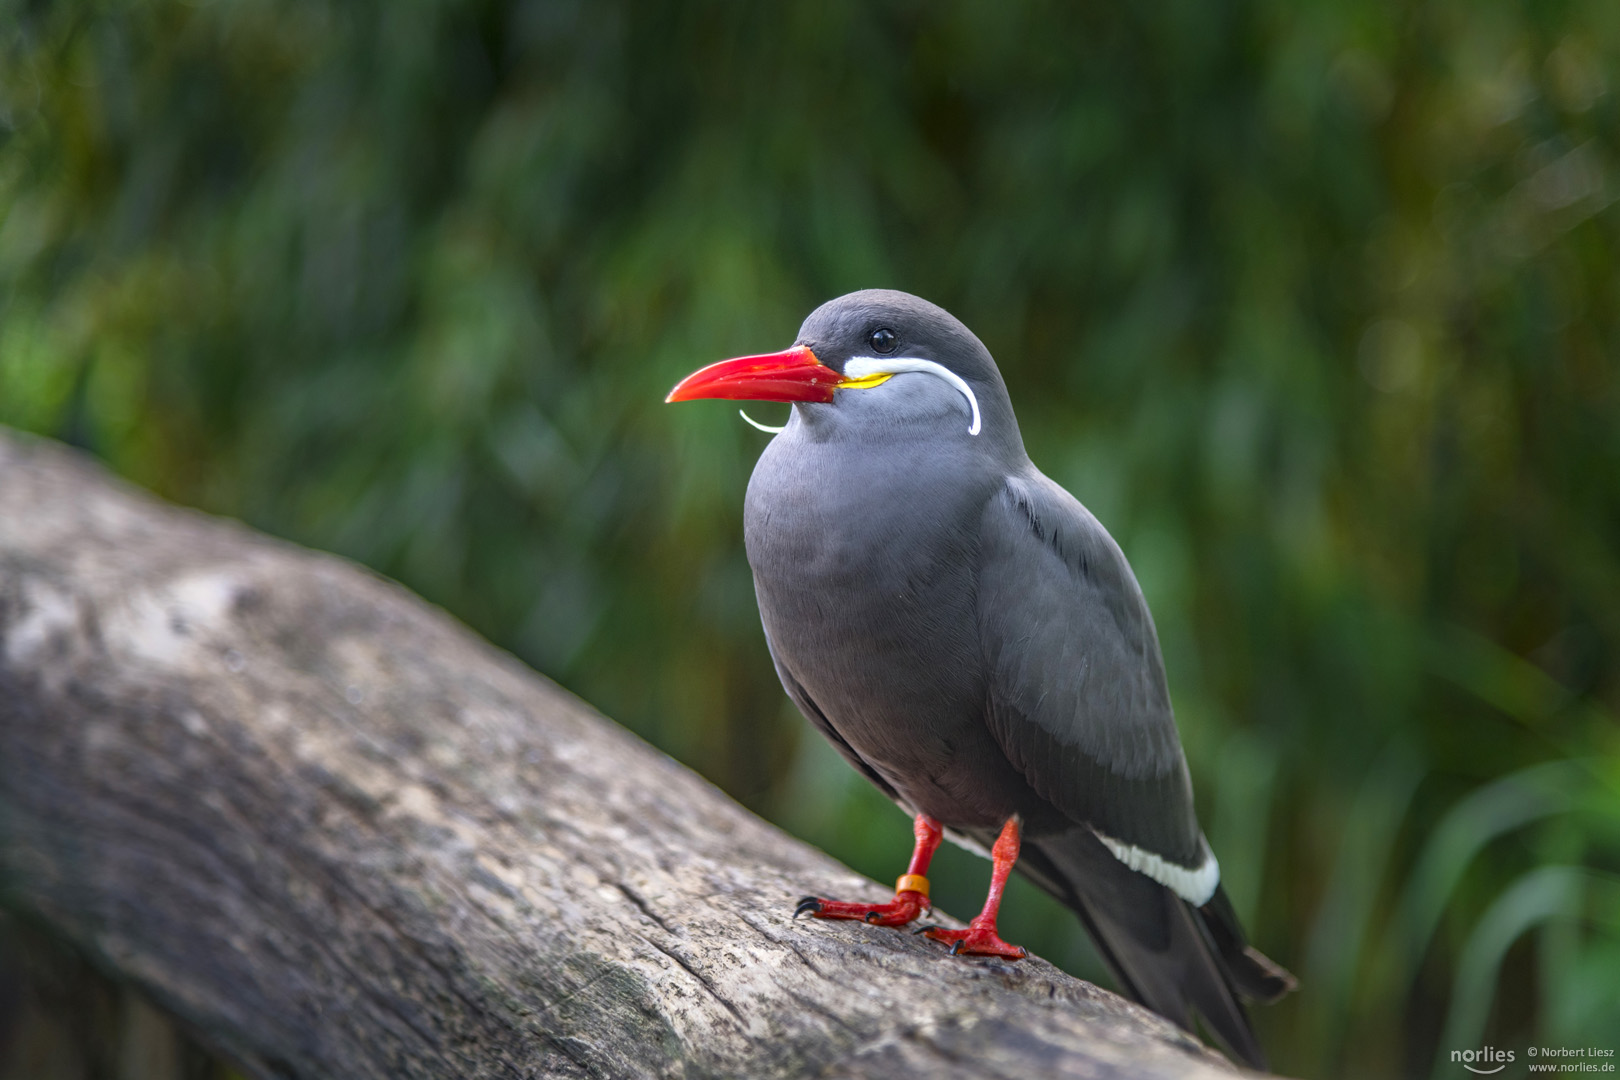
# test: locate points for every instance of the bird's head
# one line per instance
(873, 358)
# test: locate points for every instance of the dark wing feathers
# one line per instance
(1078, 695)
(1156, 944)
(1079, 704)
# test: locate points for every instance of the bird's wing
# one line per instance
(1078, 703)
(1078, 699)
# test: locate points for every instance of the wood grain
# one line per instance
(338, 835)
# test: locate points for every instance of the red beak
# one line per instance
(792, 375)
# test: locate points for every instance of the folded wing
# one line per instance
(1079, 704)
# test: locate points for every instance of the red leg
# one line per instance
(980, 938)
(910, 892)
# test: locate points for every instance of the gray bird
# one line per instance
(974, 643)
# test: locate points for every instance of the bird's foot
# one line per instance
(974, 941)
(905, 907)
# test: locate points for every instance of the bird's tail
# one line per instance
(1177, 959)
(1254, 975)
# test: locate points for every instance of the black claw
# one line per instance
(872, 916)
(924, 929)
(956, 946)
(809, 904)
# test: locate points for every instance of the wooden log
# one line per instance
(337, 835)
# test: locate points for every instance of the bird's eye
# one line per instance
(883, 340)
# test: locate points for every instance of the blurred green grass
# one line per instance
(1314, 306)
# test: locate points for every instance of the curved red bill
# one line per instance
(791, 375)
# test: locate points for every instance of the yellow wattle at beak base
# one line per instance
(865, 382)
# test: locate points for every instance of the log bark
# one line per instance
(338, 835)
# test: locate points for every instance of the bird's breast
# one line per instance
(865, 572)
(866, 546)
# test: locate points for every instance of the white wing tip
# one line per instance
(1195, 885)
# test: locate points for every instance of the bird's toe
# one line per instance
(975, 941)
(904, 908)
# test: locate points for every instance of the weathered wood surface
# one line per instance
(338, 835)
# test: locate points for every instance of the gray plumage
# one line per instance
(973, 641)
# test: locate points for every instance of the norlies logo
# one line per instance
(1481, 1061)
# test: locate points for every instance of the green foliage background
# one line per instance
(1315, 305)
